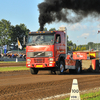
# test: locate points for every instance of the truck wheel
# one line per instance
(33, 71)
(60, 68)
(78, 68)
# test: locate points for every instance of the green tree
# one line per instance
(77, 48)
(19, 31)
(70, 43)
(5, 31)
(52, 29)
(90, 45)
(69, 48)
(45, 29)
(74, 49)
(82, 48)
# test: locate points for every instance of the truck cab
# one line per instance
(46, 50)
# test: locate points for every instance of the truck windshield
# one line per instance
(47, 39)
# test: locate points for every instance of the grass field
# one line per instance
(12, 62)
(89, 96)
(2, 69)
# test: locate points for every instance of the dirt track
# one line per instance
(22, 85)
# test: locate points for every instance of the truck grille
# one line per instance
(39, 60)
(39, 54)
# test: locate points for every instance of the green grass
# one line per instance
(2, 69)
(12, 62)
(89, 96)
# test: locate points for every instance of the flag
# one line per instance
(19, 45)
(98, 32)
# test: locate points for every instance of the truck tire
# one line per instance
(61, 68)
(33, 71)
(71, 71)
(78, 69)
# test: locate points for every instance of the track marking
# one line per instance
(67, 94)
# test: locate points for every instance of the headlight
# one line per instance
(48, 54)
(51, 59)
(29, 60)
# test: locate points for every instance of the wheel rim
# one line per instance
(61, 68)
(78, 69)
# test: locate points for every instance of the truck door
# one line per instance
(57, 46)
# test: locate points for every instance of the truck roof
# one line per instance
(43, 32)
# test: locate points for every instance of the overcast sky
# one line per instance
(26, 11)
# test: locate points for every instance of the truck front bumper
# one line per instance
(40, 65)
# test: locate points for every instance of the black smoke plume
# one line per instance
(61, 10)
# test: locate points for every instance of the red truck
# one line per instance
(47, 50)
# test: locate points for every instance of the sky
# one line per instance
(27, 12)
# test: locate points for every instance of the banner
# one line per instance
(19, 45)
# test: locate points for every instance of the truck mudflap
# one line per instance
(70, 64)
(95, 65)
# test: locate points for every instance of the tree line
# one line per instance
(10, 33)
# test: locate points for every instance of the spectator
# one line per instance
(5, 54)
(9, 55)
(24, 56)
(12, 55)
(2, 55)
(20, 55)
